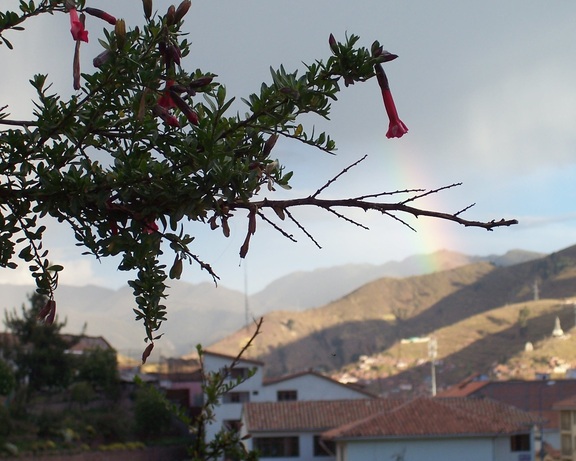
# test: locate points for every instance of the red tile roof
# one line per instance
(387, 417)
(426, 417)
(536, 396)
(317, 415)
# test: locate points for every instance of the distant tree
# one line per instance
(523, 315)
(37, 349)
(99, 367)
(7, 379)
(144, 146)
(152, 411)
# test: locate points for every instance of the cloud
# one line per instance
(78, 272)
(524, 121)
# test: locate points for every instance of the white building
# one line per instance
(303, 386)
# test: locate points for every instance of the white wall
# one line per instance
(306, 443)
(310, 387)
(231, 411)
(458, 449)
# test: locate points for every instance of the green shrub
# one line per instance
(152, 412)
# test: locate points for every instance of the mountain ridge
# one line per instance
(211, 313)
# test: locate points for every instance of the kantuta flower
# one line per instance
(396, 128)
(76, 27)
(166, 100)
(150, 226)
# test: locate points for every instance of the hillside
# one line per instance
(373, 319)
(204, 313)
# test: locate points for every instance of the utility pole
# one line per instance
(432, 353)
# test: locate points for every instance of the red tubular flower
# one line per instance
(396, 128)
(166, 100)
(76, 27)
(150, 226)
(102, 15)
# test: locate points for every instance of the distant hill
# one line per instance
(305, 289)
(373, 319)
(203, 313)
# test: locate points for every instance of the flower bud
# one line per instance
(182, 10)
(101, 14)
(76, 66)
(269, 144)
(120, 30)
(176, 269)
(386, 56)
(174, 54)
(202, 81)
(48, 313)
(147, 4)
(171, 16)
(333, 44)
(185, 108)
(102, 58)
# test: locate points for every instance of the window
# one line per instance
(277, 447)
(236, 397)
(520, 442)
(565, 420)
(286, 396)
(238, 372)
(324, 447)
(566, 445)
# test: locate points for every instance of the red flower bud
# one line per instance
(174, 54)
(182, 10)
(333, 44)
(171, 15)
(147, 4)
(185, 108)
(166, 116)
(200, 82)
(48, 313)
(269, 144)
(101, 14)
(102, 58)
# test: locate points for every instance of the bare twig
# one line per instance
(335, 178)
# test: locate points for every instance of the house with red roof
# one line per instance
(541, 397)
(381, 429)
(297, 387)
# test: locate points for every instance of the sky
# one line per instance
(486, 89)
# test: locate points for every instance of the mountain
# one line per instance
(305, 289)
(203, 313)
(454, 305)
(199, 313)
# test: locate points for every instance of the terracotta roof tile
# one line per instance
(388, 417)
(310, 415)
(426, 417)
(536, 396)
